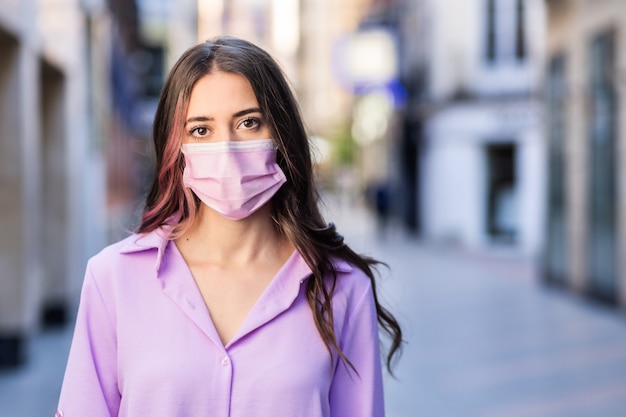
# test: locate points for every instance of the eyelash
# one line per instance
(194, 131)
(256, 121)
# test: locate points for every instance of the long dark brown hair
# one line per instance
(295, 205)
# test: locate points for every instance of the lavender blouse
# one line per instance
(145, 346)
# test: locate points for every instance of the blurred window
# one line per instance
(505, 31)
(491, 30)
(520, 32)
(601, 191)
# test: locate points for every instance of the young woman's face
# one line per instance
(223, 108)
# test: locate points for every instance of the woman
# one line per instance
(234, 298)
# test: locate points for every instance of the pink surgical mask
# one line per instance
(233, 178)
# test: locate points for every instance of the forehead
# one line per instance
(221, 92)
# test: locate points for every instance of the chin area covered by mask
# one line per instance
(233, 178)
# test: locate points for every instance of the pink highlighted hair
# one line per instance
(173, 202)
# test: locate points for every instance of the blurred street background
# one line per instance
(473, 145)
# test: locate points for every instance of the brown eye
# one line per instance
(250, 123)
(199, 132)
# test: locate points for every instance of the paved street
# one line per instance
(32, 391)
(485, 338)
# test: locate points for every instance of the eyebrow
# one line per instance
(237, 114)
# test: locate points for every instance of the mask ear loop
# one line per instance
(279, 156)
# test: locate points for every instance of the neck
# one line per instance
(217, 239)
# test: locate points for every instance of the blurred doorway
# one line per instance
(502, 218)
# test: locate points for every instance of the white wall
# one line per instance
(453, 44)
(454, 173)
(457, 48)
(532, 189)
(453, 176)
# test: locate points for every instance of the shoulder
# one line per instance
(120, 250)
(353, 285)
(126, 271)
(350, 275)
(354, 308)
(136, 254)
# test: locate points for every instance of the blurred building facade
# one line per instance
(47, 166)
(467, 146)
(482, 157)
(586, 232)
(71, 148)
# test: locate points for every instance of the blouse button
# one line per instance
(225, 361)
(59, 413)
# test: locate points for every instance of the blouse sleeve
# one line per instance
(352, 394)
(90, 383)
